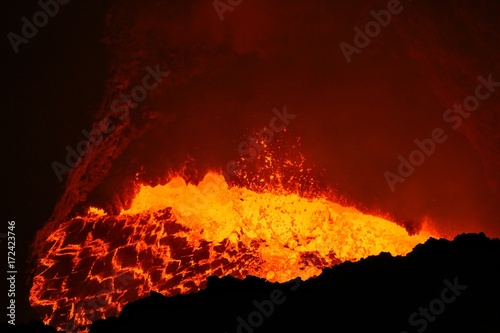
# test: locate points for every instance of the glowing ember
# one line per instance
(176, 235)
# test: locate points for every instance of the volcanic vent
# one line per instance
(174, 236)
(128, 223)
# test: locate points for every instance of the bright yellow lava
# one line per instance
(286, 225)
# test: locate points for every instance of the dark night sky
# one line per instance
(354, 119)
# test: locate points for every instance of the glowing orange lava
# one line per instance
(176, 235)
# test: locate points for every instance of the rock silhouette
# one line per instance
(441, 286)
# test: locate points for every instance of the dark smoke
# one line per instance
(353, 120)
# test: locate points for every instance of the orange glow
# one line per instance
(176, 235)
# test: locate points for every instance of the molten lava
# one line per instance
(176, 235)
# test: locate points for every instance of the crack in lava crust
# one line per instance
(176, 235)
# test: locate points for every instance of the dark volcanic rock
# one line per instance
(442, 286)
(457, 280)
